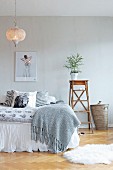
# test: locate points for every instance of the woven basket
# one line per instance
(100, 116)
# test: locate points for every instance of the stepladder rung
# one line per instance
(79, 90)
(82, 111)
(79, 100)
(86, 122)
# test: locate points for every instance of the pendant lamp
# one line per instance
(15, 34)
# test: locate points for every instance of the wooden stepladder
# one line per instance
(75, 97)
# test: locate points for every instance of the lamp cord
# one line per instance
(15, 22)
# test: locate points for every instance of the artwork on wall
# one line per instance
(26, 66)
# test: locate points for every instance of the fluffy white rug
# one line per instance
(91, 154)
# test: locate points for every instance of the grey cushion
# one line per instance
(21, 101)
(9, 98)
(42, 98)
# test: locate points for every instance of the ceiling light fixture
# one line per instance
(15, 34)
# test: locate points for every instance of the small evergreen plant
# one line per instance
(73, 63)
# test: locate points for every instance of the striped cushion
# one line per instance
(9, 98)
(43, 98)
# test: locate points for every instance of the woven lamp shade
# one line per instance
(16, 35)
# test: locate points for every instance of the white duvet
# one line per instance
(10, 114)
(15, 131)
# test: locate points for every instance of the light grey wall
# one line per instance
(55, 38)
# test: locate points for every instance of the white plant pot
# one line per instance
(74, 76)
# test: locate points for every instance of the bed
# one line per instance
(16, 129)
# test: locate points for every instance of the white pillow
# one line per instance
(32, 99)
(51, 99)
(31, 96)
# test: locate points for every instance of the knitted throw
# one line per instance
(54, 125)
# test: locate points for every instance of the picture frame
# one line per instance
(26, 66)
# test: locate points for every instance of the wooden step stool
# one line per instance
(78, 93)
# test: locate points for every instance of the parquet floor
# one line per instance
(48, 161)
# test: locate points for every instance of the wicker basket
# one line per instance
(100, 116)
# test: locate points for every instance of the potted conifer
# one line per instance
(73, 63)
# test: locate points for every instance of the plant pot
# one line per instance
(74, 76)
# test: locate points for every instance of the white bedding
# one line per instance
(10, 114)
(9, 142)
(15, 131)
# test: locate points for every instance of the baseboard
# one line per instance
(110, 125)
(86, 126)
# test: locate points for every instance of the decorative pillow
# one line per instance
(30, 95)
(51, 99)
(32, 99)
(43, 98)
(9, 98)
(21, 101)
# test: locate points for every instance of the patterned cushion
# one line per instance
(43, 98)
(21, 101)
(9, 98)
(31, 96)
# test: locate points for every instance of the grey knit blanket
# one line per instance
(54, 126)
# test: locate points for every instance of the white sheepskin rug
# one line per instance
(91, 154)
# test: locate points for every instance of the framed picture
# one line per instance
(26, 66)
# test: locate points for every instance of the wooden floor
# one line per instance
(48, 161)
